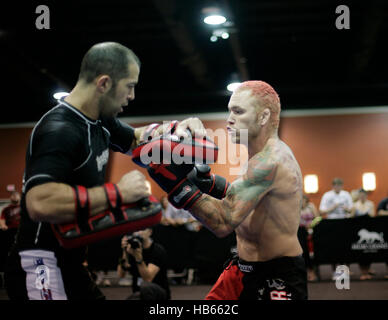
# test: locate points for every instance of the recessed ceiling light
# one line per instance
(59, 95)
(233, 86)
(214, 19)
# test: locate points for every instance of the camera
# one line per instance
(135, 241)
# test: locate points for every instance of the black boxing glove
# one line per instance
(209, 183)
(172, 178)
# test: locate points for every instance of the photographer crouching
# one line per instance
(147, 263)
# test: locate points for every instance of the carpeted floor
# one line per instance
(376, 289)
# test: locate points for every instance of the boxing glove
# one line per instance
(209, 183)
(172, 178)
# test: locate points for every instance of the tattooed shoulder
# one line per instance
(261, 167)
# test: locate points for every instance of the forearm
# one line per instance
(55, 202)
(216, 215)
(145, 274)
(120, 271)
(325, 212)
(3, 225)
(382, 212)
(242, 196)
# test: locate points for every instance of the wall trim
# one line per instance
(224, 115)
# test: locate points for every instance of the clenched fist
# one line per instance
(194, 125)
(133, 187)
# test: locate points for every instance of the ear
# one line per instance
(103, 83)
(264, 117)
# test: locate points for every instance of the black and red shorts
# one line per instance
(282, 278)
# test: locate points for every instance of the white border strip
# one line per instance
(224, 115)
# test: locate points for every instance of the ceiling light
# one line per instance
(214, 19)
(225, 35)
(213, 38)
(59, 95)
(233, 86)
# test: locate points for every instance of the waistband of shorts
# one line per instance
(270, 265)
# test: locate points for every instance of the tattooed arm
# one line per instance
(223, 216)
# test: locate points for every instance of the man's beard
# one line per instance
(106, 105)
(240, 137)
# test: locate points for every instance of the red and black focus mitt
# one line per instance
(166, 149)
(117, 220)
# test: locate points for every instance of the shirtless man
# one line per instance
(262, 206)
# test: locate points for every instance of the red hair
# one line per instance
(266, 96)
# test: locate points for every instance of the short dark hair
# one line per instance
(109, 58)
(337, 181)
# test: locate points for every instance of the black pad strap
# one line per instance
(82, 208)
(114, 200)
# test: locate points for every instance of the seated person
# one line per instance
(308, 213)
(178, 217)
(146, 261)
(382, 210)
(364, 207)
(164, 202)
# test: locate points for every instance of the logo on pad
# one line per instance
(184, 191)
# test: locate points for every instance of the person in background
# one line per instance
(123, 266)
(9, 222)
(178, 217)
(336, 203)
(147, 261)
(164, 202)
(308, 213)
(364, 207)
(354, 194)
(382, 210)
(10, 215)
